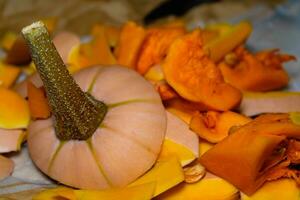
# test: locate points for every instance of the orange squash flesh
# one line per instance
(228, 40)
(97, 51)
(215, 126)
(14, 111)
(112, 33)
(195, 77)
(249, 156)
(155, 46)
(130, 41)
(261, 72)
(165, 91)
(37, 101)
(8, 74)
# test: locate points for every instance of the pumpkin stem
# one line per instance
(77, 114)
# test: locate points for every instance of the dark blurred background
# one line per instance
(79, 15)
(276, 22)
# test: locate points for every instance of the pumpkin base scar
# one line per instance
(54, 155)
(130, 138)
(122, 103)
(91, 148)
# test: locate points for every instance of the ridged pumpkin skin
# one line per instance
(125, 145)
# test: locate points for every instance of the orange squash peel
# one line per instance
(129, 44)
(155, 46)
(265, 68)
(255, 153)
(215, 126)
(195, 77)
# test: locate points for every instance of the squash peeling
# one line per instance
(165, 91)
(11, 140)
(155, 46)
(260, 151)
(37, 101)
(95, 52)
(112, 33)
(229, 38)
(129, 44)
(215, 126)
(195, 77)
(6, 167)
(8, 74)
(265, 67)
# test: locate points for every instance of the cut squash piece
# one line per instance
(6, 167)
(130, 42)
(138, 192)
(228, 40)
(11, 140)
(155, 46)
(178, 132)
(276, 190)
(255, 103)
(295, 117)
(95, 52)
(209, 188)
(204, 146)
(63, 193)
(183, 109)
(155, 73)
(112, 33)
(166, 173)
(247, 158)
(170, 148)
(8, 74)
(215, 126)
(184, 116)
(14, 110)
(195, 77)
(37, 101)
(265, 67)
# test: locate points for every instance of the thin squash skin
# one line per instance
(6, 167)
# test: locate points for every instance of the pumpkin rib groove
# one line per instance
(121, 133)
(92, 83)
(54, 155)
(101, 170)
(122, 103)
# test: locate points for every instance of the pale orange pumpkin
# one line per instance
(104, 137)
